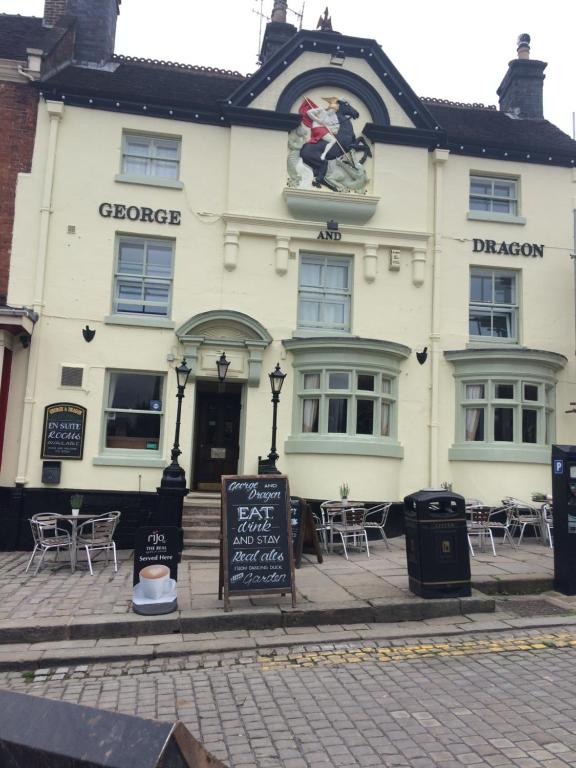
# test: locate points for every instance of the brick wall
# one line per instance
(18, 105)
(53, 9)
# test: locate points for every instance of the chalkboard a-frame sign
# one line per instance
(256, 551)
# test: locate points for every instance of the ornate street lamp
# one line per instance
(222, 368)
(174, 476)
(276, 382)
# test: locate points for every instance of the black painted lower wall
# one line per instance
(17, 505)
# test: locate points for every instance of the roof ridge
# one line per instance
(447, 103)
(176, 65)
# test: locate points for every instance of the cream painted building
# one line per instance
(416, 285)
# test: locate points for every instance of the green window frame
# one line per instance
(505, 404)
(347, 401)
(143, 276)
(325, 292)
(345, 396)
(505, 410)
(146, 156)
(494, 307)
(134, 413)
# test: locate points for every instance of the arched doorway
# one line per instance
(219, 416)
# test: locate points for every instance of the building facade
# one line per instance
(407, 262)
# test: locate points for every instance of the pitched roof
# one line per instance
(17, 33)
(477, 126)
(131, 84)
(151, 82)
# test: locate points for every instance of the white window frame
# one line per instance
(153, 161)
(324, 294)
(492, 308)
(143, 280)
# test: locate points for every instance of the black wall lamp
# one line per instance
(222, 368)
(422, 356)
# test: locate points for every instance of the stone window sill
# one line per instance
(141, 320)
(523, 454)
(345, 445)
(149, 181)
(502, 218)
(125, 460)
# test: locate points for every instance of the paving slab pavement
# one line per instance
(57, 612)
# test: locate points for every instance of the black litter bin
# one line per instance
(437, 544)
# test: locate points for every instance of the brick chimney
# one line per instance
(278, 31)
(521, 91)
(95, 25)
(53, 10)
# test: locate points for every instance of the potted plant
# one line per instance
(344, 491)
(76, 501)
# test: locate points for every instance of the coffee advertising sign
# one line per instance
(156, 556)
(63, 434)
(256, 536)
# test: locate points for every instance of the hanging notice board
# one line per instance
(256, 553)
(63, 434)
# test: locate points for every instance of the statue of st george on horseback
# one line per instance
(326, 144)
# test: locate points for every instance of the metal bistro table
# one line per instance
(73, 520)
(332, 509)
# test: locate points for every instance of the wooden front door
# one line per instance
(217, 437)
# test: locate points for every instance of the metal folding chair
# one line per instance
(47, 536)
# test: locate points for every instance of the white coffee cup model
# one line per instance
(154, 580)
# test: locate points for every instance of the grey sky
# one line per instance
(449, 49)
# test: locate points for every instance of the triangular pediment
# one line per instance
(319, 64)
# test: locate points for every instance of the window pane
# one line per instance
(339, 380)
(502, 325)
(165, 169)
(310, 274)
(480, 323)
(334, 312)
(337, 276)
(130, 290)
(474, 424)
(531, 392)
(135, 166)
(474, 391)
(311, 381)
(310, 415)
(503, 290)
(504, 424)
(386, 385)
(159, 262)
(504, 391)
(364, 417)
(337, 414)
(504, 189)
(138, 431)
(134, 391)
(385, 409)
(502, 206)
(529, 425)
(366, 382)
(309, 311)
(131, 258)
(480, 186)
(137, 145)
(480, 288)
(167, 150)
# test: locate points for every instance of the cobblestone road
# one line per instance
(485, 700)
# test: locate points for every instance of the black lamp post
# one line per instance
(174, 476)
(276, 382)
(222, 368)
